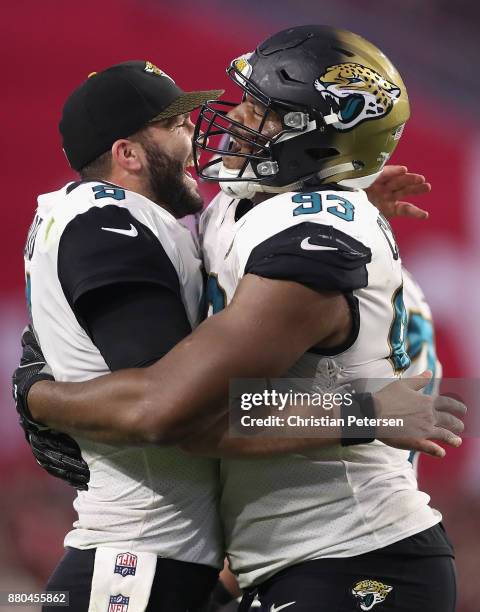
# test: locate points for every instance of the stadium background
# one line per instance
(48, 47)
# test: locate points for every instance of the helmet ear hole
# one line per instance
(290, 79)
(318, 154)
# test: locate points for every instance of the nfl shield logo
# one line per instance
(118, 603)
(126, 564)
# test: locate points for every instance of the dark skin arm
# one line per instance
(118, 408)
(186, 391)
(181, 399)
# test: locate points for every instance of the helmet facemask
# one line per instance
(342, 107)
(215, 133)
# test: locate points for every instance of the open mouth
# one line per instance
(231, 161)
(247, 148)
(234, 146)
(188, 164)
(347, 109)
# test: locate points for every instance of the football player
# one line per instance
(337, 289)
(420, 344)
(101, 260)
(320, 224)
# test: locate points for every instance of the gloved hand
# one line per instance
(56, 452)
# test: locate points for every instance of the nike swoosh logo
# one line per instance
(278, 608)
(130, 232)
(307, 246)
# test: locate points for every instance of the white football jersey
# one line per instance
(339, 501)
(148, 499)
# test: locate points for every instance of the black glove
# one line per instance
(32, 369)
(56, 452)
(61, 457)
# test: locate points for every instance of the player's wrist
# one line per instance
(24, 395)
(39, 386)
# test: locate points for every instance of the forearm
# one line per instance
(131, 324)
(111, 409)
(162, 404)
(184, 391)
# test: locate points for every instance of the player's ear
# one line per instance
(128, 155)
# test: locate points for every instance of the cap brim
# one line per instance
(187, 102)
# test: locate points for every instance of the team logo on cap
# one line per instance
(118, 603)
(152, 69)
(126, 564)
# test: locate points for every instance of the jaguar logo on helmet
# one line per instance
(356, 94)
(370, 593)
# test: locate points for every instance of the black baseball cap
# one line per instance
(116, 103)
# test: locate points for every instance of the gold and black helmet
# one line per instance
(341, 101)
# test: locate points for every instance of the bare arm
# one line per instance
(426, 419)
(187, 390)
(181, 399)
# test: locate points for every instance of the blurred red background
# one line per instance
(49, 47)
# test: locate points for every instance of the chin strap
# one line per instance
(340, 169)
(248, 189)
(361, 182)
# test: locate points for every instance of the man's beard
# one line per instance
(167, 184)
